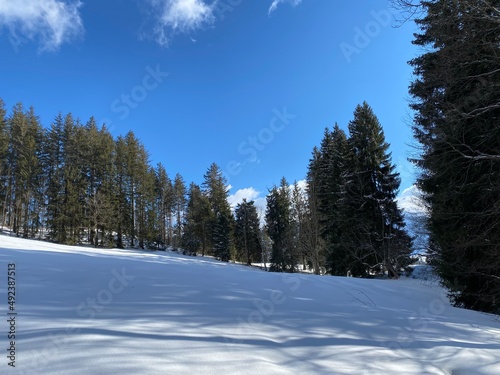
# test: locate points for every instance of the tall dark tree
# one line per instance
(373, 232)
(24, 170)
(247, 233)
(215, 188)
(196, 235)
(326, 178)
(457, 104)
(97, 149)
(4, 144)
(280, 230)
(72, 214)
(179, 195)
(53, 163)
(165, 203)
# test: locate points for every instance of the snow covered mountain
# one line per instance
(98, 311)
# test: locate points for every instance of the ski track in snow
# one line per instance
(107, 311)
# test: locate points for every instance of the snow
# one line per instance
(411, 201)
(101, 311)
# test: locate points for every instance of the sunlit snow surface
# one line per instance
(98, 311)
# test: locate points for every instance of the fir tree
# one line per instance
(179, 206)
(4, 144)
(456, 99)
(165, 202)
(53, 164)
(373, 231)
(215, 188)
(23, 159)
(279, 229)
(98, 153)
(197, 222)
(326, 178)
(247, 233)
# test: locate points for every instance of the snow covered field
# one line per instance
(98, 311)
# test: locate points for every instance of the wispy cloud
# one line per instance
(181, 16)
(52, 22)
(276, 3)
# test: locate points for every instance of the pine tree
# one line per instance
(326, 178)
(279, 229)
(132, 168)
(373, 232)
(23, 159)
(144, 200)
(215, 188)
(97, 150)
(4, 144)
(457, 103)
(35, 190)
(149, 232)
(247, 233)
(197, 222)
(74, 187)
(179, 207)
(165, 202)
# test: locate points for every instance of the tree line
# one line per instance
(73, 183)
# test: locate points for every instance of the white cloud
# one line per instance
(53, 22)
(250, 194)
(181, 16)
(276, 3)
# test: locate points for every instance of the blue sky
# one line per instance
(248, 84)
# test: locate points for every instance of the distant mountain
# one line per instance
(415, 212)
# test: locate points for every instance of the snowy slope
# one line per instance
(87, 311)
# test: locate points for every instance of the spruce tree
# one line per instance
(4, 144)
(279, 229)
(179, 195)
(53, 164)
(165, 199)
(326, 178)
(23, 159)
(373, 233)
(456, 101)
(215, 188)
(97, 150)
(247, 233)
(191, 234)
(72, 214)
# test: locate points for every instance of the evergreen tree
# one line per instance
(144, 199)
(457, 103)
(326, 178)
(165, 202)
(313, 243)
(34, 212)
(179, 207)
(97, 149)
(132, 167)
(279, 229)
(54, 164)
(247, 233)
(197, 222)
(23, 156)
(215, 188)
(72, 214)
(373, 232)
(4, 144)
(150, 231)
